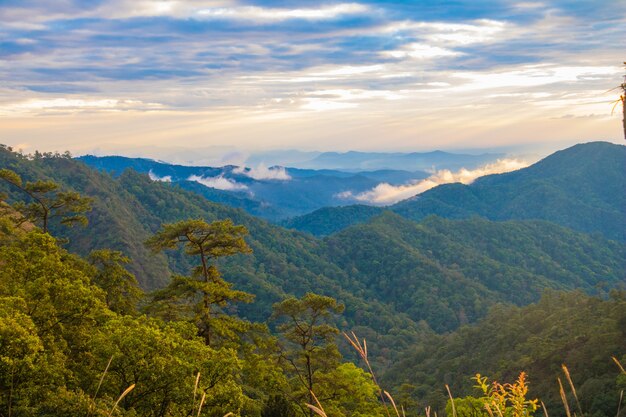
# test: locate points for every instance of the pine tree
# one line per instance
(48, 202)
(205, 292)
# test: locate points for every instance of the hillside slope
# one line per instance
(397, 278)
(582, 187)
(448, 272)
(562, 328)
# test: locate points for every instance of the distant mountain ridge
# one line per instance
(359, 161)
(273, 193)
(582, 187)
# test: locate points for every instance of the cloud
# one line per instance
(155, 177)
(261, 172)
(384, 193)
(63, 104)
(264, 14)
(325, 75)
(218, 182)
(420, 51)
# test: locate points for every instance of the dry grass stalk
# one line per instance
(564, 398)
(545, 410)
(102, 377)
(451, 400)
(427, 409)
(489, 410)
(621, 368)
(619, 406)
(124, 394)
(93, 401)
(361, 349)
(195, 389)
(571, 384)
(201, 403)
(393, 403)
(319, 410)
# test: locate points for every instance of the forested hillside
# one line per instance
(393, 281)
(453, 270)
(563, 328)
(581, 187)
(449, 272)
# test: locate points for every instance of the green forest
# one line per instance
(128, 297)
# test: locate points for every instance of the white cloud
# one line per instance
(384, 193)
(533, 76)
(317, 104)
(40, 105)
(155, 177)
(218, 182)
(420, 51)
(261, 172)
(452, 34)
(278, 14)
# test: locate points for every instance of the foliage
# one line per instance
(205, 291)
(121, 287)
(310, 347)
(572, 328)
(580, 187)
(508, 400)
(47, 202)
(397, 279)
(328, 220)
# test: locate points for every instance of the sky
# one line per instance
(199, 78)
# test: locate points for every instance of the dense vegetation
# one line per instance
(563, 328)
(449, 272)
(328, 220)
(65, 319)
(581, 187)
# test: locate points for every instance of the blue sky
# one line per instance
(135, 76)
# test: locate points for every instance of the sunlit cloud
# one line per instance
(330, 75)
(384, 193)
(263, 14)
(220, 182)
(42, 105)
(262, 172)
(533, 76)
(420, 51)
(155, 177)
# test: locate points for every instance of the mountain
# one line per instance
(129, 208)
(396, 277)
(579, 331)
(448, 272)
(328, 220)
(415, 161)
(582, 187)
(273, 193)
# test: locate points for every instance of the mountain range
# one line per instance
(398, 278)
(273, 193)
(582, 187)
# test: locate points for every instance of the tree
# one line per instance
(121, 287)
(48, 202)
(623, 100)
(278, 406)
(310, 337)
(205, 291)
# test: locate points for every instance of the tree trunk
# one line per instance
(624, 111)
